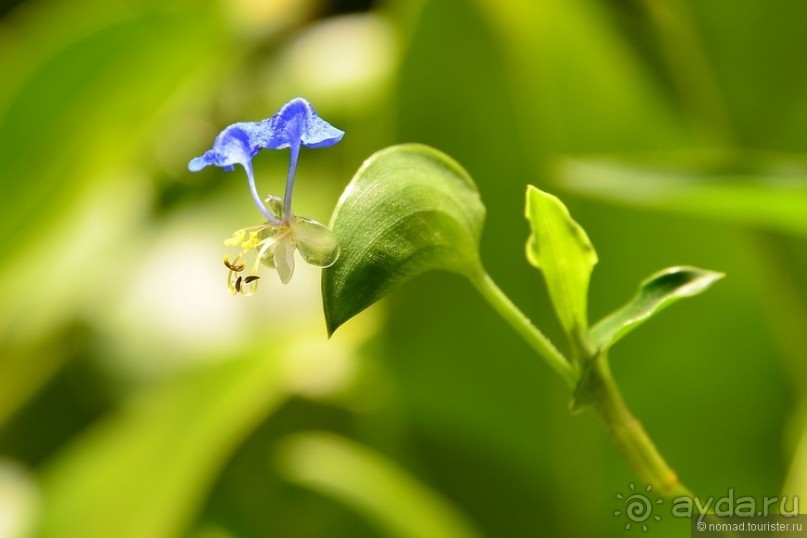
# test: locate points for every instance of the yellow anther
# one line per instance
(252, 242)
(237, 238)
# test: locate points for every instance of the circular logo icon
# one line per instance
(637, 507)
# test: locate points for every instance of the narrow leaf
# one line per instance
(408, 210)
(747, 189)
(560, 248)
(372, 485)
(145, 469)
(655, 293)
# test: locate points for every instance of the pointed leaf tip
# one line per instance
(655, 293)
(408, 210)
(560, 248)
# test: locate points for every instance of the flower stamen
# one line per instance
(234, 266)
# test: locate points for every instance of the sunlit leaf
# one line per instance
(111, 81)
(560, 248)
(372, 485)
(408, 210)
(570, 68)
(144, 471)
(89, 91)
(762, 192)
(655, 293)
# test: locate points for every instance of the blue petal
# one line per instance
(234, 145)
(295, 124)
(321, 134)
(198, 163)
(298, 123)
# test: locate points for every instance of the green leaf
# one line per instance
(561, 81)
(371, 484)
(655, 293)
(748, 189)
(145, 469)
(408, 210)
(560, 248)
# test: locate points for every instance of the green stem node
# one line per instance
(601, 391)
(628, 433)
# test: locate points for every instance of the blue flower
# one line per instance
(295, 125)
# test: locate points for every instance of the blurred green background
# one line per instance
(139, 399)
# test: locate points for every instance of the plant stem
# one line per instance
(599, 390)
(522, 325)
(627, 432)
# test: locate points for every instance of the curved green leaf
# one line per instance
(408, 210)
(655, 293)
(371, 484)
(560, 248)
(145, 469)
(747, 189)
